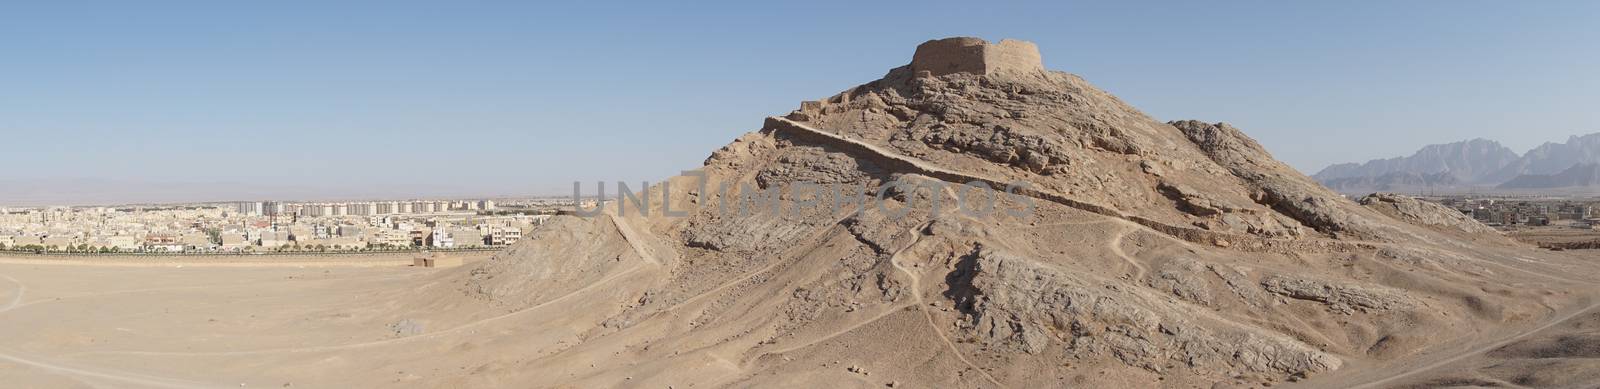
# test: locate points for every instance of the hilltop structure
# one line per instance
(976, 56)
(1155, 254)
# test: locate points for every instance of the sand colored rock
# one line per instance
(1424, 213)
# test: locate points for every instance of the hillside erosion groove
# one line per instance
(895, 161)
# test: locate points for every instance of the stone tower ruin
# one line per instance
(976, 56)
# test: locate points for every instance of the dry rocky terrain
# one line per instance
(1141, 253)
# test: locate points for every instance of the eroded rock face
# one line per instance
(1029, 307)
(1411, 210)
(1065, 136)
(1278, 185)
(1339, 297)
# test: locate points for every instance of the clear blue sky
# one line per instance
(459, 98)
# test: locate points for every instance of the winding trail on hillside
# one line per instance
(894, 160)
(1428, 365)
(633, 239)
(751, 274)
(840, 332)
(916, 300)
(1139, 270)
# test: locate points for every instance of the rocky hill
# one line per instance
(1423, 213)
(975, 220)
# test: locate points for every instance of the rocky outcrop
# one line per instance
(1029, 307)
(1274, 184)
(1411, 210)
(1343, 298)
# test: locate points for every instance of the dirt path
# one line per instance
(633, 240)
(126, 378)
(1139, 270)
(916, 300)
(597, 284)
(842, 331)
(1456, 357)
(137, 379)
(919, 166)
(747, 276)
(16, 297)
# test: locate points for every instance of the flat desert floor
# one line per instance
(180, 323)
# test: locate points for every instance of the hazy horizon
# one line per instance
(83, 192)
(397, 99)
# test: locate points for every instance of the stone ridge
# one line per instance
(977, 56)
(902, 163)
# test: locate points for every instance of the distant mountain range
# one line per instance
(1478, 164)
(1580, 175)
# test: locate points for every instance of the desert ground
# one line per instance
(316, 322)
(1564, 236)
(185, 322)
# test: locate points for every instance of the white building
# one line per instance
(502, 235)
(249, 208)
(441, 239)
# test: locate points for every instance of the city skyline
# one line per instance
(274, 227)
